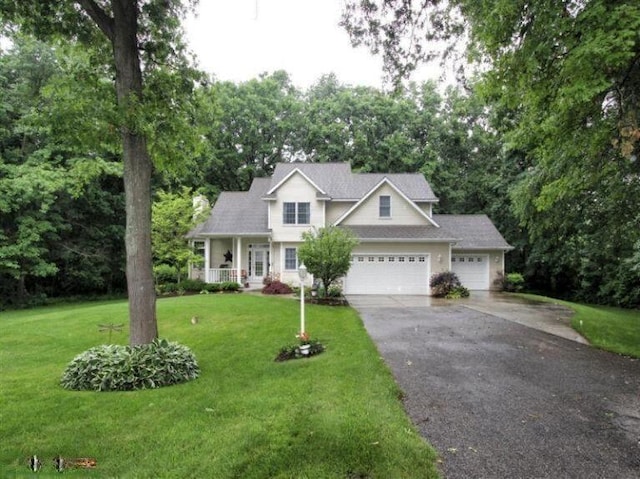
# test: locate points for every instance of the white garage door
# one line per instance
(473, 270)
(388, 274)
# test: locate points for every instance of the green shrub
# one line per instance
(165, 273)
(457, 293)
(334, 291)
(211, 287)
(111, 367)
(229, 286)
(168, 288)
(513, 282)
(442, 283)
(192, 285)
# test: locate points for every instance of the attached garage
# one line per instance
(473, 270)
(388, 274)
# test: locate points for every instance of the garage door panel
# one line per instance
(388, 274)
(472, 270)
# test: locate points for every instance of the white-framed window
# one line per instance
(385, 206)
(296, 213)
(291, 259)
(198, 250)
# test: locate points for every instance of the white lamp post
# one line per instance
(302, 273)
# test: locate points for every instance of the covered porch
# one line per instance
(241, 259)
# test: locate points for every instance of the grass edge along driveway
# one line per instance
(336, 415)
(613, 329)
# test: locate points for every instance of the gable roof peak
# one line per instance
(289, 175)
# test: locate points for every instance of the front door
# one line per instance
(259, 263)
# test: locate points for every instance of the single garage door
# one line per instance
(473, 270)
(388, 274)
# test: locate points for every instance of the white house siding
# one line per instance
(277, 263)
(296, 189)
(218, 248)
(402, 212)
(336, 209)
(427, 208)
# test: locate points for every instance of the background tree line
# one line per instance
(62, 200)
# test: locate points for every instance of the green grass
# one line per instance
(612, 329)
(335, 415)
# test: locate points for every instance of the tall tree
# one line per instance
(133, 30)
(566, 75)
(372, 130)
(251, 126)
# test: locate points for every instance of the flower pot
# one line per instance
(304, 349)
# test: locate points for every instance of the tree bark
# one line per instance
(137, 176)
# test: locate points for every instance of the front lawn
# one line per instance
(612, 329)
(335, 415)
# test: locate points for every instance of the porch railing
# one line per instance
(221, 275)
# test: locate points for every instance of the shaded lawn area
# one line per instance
(612, 329)
(333, 415)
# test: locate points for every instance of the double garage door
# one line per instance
(388, 274)
(472, 270)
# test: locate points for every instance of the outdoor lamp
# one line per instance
(302, 273)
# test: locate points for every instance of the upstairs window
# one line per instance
(304, 213)
(296, 213)
(289, 214)
(385, 206)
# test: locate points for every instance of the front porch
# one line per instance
(244, 260)
(223, 275)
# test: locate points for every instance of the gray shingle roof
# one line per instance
(384, 233)
(245, 213)
(474, 231)
(237, 212)
(337, 180)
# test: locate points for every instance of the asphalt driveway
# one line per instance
(500, 399)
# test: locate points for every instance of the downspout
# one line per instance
(239, 260)
(207, 260)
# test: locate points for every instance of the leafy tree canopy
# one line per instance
(173, 217)
(326, 252)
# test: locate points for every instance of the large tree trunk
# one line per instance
(137, 176)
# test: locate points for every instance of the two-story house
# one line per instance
(402, 243)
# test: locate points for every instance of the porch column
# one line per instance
(239, 260)
(207, 260)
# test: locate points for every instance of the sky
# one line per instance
(237, 40)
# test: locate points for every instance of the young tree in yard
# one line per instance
(326, 252)
(137, 33)
(173, 217)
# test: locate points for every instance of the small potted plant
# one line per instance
(305, 346)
